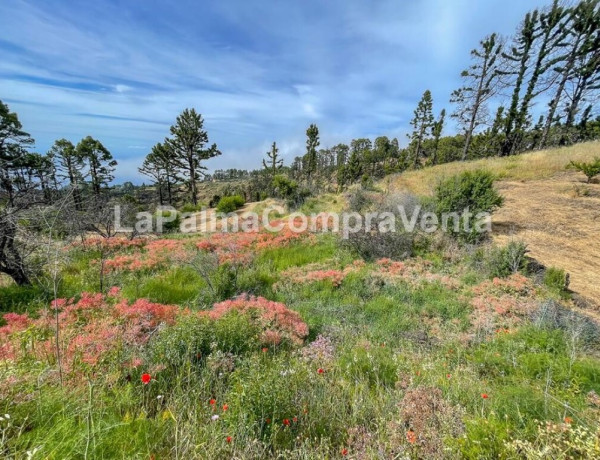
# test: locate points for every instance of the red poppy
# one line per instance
(568, 420)
(212, 402)
(228, 438)
(320, 371)
(411, 437)
(146, 379)
(225, 407)
(295, 419)
(448, 376)
(344, 451)
(484, 395)
(286, 421)
(265, 349)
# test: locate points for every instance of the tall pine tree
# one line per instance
(422, 124)
(188, 141)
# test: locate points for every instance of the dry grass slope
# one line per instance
(547, 206)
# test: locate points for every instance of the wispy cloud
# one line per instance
(257, 71)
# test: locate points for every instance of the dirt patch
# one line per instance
(560, 225)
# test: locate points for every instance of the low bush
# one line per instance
(501, 262)
(591, 169)
(375, 242)
(167, 224)
(471, 191)
(230, 203)
(190, 207)
(556, 279)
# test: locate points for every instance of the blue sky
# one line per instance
(258, 71)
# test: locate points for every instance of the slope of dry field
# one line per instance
(550, 208)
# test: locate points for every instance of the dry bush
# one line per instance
(373, 242)
(426, 420)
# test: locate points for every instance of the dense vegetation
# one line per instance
(292, 344)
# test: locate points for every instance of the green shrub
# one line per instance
(195, 337)
(556, 279)
(167, 227)
(190, 207)
(471, 190)
(501, 262)
(230, 203)
(590, 169)
(284, 187)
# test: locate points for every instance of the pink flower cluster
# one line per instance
(502, 304)
(320, 272)
(92, 331)
(278, 322)
(239, 248)
(414, 271)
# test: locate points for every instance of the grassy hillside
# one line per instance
(546, 205)
(287, 345)
(328, 356)
(528, 166)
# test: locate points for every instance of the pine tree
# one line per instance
(519, 56)
(354, 168)
(273, 163)
(69, 166)
(481, 85)
(13, 144)
(152, 168)
(99, 161)
(310, 159)
(188, 143)
(551, 32)
(585, 76)
(438, 128)
(580, 35)
(422, 124)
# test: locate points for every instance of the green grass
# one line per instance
(388, 339)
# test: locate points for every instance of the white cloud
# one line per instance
(257, 72)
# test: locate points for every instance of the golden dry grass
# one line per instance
(547, 206)
(529, 166)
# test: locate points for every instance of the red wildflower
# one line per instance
(320, 371)
(268, 421)
(295, 419)
(265, 349)
(212, 402)
(225, 407)
(568, 420)
(228, 438)
(411, 437)
(344, 451)
(484, 395)
(146, 379)
(286, 421)
(448, 376)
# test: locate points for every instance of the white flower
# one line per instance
(6, 416)
(159, 397)
(214, 418)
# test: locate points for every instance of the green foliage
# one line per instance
(471, 191)
(373, 364)
(191, 207)
(591, 169)
(284, 187)
(230, 203)
(500, 262)
(556, 279)
(170, 222)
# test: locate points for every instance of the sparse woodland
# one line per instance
(303, 344)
